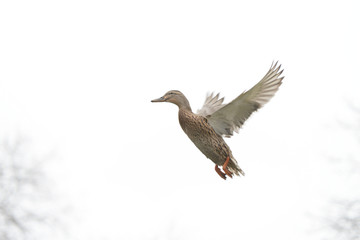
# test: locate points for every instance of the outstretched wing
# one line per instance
(233, 115)
(211, 105)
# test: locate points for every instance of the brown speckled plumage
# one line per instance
(214, 120)
(207, 140)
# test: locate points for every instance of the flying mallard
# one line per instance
(215, 119)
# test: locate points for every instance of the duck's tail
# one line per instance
(234, 167)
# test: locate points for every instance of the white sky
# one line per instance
(78, 77)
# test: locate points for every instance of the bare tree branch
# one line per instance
(22, 181)
(345, 222)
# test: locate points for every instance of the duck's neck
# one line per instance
(184, 105)
(185, 108)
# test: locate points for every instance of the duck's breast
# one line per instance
(203, 136)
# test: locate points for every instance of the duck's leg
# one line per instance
(227, 172)
(221, 174)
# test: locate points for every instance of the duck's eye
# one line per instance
(171, 93)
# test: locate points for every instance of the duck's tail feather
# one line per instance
(234, 167)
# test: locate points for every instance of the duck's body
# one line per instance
(207, 140)
(214, 120)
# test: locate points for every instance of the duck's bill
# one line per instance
(158, 100)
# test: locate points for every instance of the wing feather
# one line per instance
(231, 117)
(212, 104)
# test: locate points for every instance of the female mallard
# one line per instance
(214, 119)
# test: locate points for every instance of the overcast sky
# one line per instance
(77, 78)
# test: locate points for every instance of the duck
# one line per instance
(215, 120)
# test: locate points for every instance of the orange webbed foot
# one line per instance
(221, 174)
(227, 172)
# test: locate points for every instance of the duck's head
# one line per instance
(176, 97)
